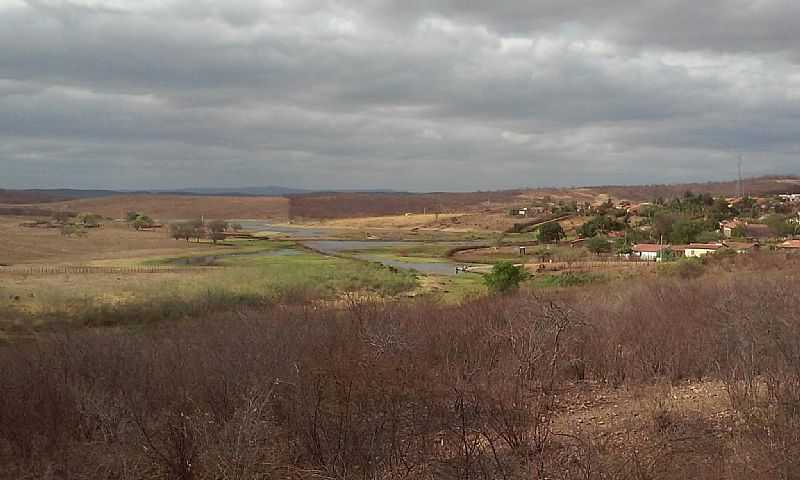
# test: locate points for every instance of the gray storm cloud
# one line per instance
(433, 95)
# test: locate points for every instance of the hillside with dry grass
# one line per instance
(758, 186)
(170, 207)
(360, 205)
(341, 205)
(24, 245)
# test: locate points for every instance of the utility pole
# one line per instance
(739, 190)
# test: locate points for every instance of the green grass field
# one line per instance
(237, 274)
(250, 274)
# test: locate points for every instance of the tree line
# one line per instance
(198, 229)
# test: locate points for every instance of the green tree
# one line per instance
(740, 231)
(721, 210)
(708, 237)
(780, 225)
(685, 231)
(142, 221)
(662, 225)
(551, 232)
(598, 245)
(600, 224)
(667, 255)
(624, 247)
(505, 277)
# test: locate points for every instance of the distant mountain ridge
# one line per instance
(268, 191)
(44, 195)
(752, 186)
(265, 191)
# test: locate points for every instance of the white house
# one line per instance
(697, 250)
(648, 251)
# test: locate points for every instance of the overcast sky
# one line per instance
(405, 94)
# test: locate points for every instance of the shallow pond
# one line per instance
(333, 247)
(303, 232)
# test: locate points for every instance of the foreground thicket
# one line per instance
(408, 391)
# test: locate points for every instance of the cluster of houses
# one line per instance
(791, 197)
(753, 232)
(527, 211)
(656, 252)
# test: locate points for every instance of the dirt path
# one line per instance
(534, 226)
(684, 427)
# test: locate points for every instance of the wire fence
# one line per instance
(81, 269)
(592, 265)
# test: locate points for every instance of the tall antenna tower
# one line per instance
(739, 190)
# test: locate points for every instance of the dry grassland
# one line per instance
(22, 245)
(170, 207)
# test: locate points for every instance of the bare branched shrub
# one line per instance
(762, 373)
(373, 390)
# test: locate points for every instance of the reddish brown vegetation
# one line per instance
(413, 391)
(354, 205)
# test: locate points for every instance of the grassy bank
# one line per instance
(235, 279)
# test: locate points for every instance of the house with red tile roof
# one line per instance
(648, 251)
(790, 244)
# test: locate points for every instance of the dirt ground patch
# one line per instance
(391, 221)
(446, 222)
(46, 245)
(684, 427)
(170, 207)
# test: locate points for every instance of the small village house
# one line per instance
(648, 251)
(790, 245)
(728, 227)
(742, 247)
(697, 250)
